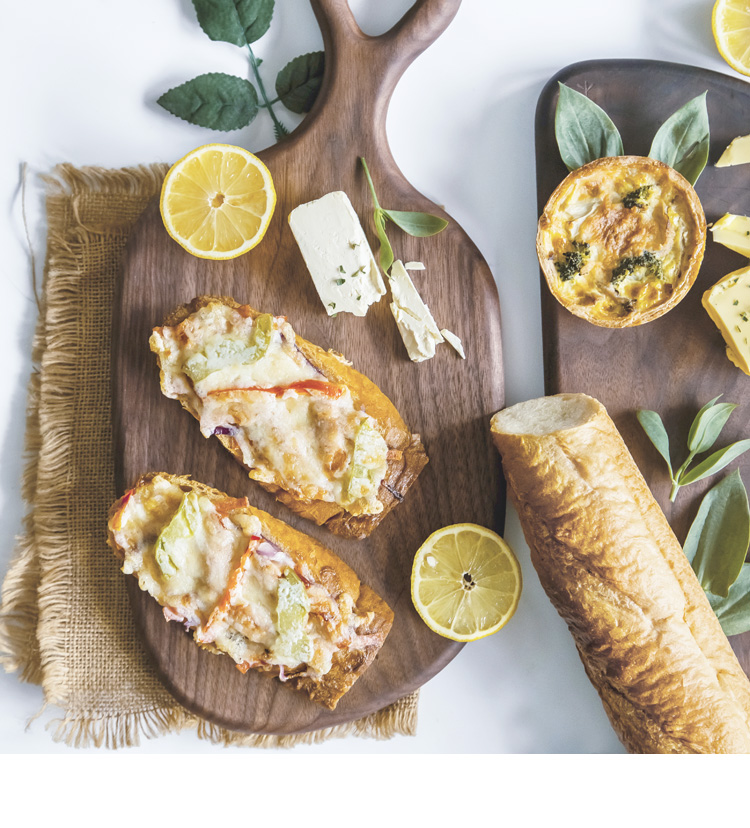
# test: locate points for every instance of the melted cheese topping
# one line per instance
(248, 379)
(619, 241)
(229, 584)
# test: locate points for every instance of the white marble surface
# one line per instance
(80, 79)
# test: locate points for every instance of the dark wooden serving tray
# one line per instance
(447, 400)
(677, 363)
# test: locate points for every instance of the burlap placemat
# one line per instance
(65, 620)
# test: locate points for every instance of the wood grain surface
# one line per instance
(447, 400)
(675, 364)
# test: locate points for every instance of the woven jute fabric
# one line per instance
(65, 620)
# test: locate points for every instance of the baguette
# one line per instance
(612, 567)
(319, 499)
(249, 585)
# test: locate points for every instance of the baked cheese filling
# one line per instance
(210, 567)
(620, 243)
(247, 379)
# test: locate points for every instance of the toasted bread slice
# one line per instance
(234, 404)
(248, 585)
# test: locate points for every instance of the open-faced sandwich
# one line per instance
(248, 585)
(319, 435)
(621, 240)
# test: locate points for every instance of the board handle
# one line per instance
(368, 68)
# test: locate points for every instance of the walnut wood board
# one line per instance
(677, 363)
(447, 400)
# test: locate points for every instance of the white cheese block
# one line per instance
(337, 254)
(728, 305)
(733, 232)
(415, 323)
(738, 152)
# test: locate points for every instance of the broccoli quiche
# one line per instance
(310, 429)
(248, 585)
(621, 240)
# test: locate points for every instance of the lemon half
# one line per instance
(465, 582)
(730, 23)
(217, 201)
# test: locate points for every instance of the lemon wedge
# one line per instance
(465, 582)
(730, 23)
(217, 201)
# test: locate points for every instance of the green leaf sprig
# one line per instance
(585, 132)
(704, 432)
(716, 546)
(411, 222)
(226, 102)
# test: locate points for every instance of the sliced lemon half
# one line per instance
(465, 582)
(730, 23)
(217, 201)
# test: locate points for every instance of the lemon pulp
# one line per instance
(466, 582)
(217, 201)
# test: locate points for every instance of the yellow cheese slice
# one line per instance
(738, 152)
(728, 305)
(733, 232)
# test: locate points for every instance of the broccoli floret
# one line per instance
(627, 266)
(572, 261)
(638, 198)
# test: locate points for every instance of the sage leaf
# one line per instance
(583, 130)
(683, 139)
(715, 462)
(215, 100)
(298, 83)
(707, 425)
(719, 536)
(386, 251)
(652, 424)
(733, 611)
(239, 22)
(417, 224)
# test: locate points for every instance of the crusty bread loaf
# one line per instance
(406, 456)
(321, 566)
(617, 575)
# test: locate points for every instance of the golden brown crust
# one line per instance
(615, 572)
(623, 232)
(326, 568)
(407, 456)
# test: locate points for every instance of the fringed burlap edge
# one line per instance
(127, 729)
(30, 612)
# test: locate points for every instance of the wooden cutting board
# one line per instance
(447, 400)
(677, 363)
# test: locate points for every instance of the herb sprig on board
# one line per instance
(704, 432)
(226, 102)
(585, 132)
(412, 222)
(719, 537)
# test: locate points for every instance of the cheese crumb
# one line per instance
(453, 340)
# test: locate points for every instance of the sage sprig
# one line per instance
(716, 546)
(585, 132)
(683, 140)
(704, 432)
(412, 222)
(226, 102)
(718, 539)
